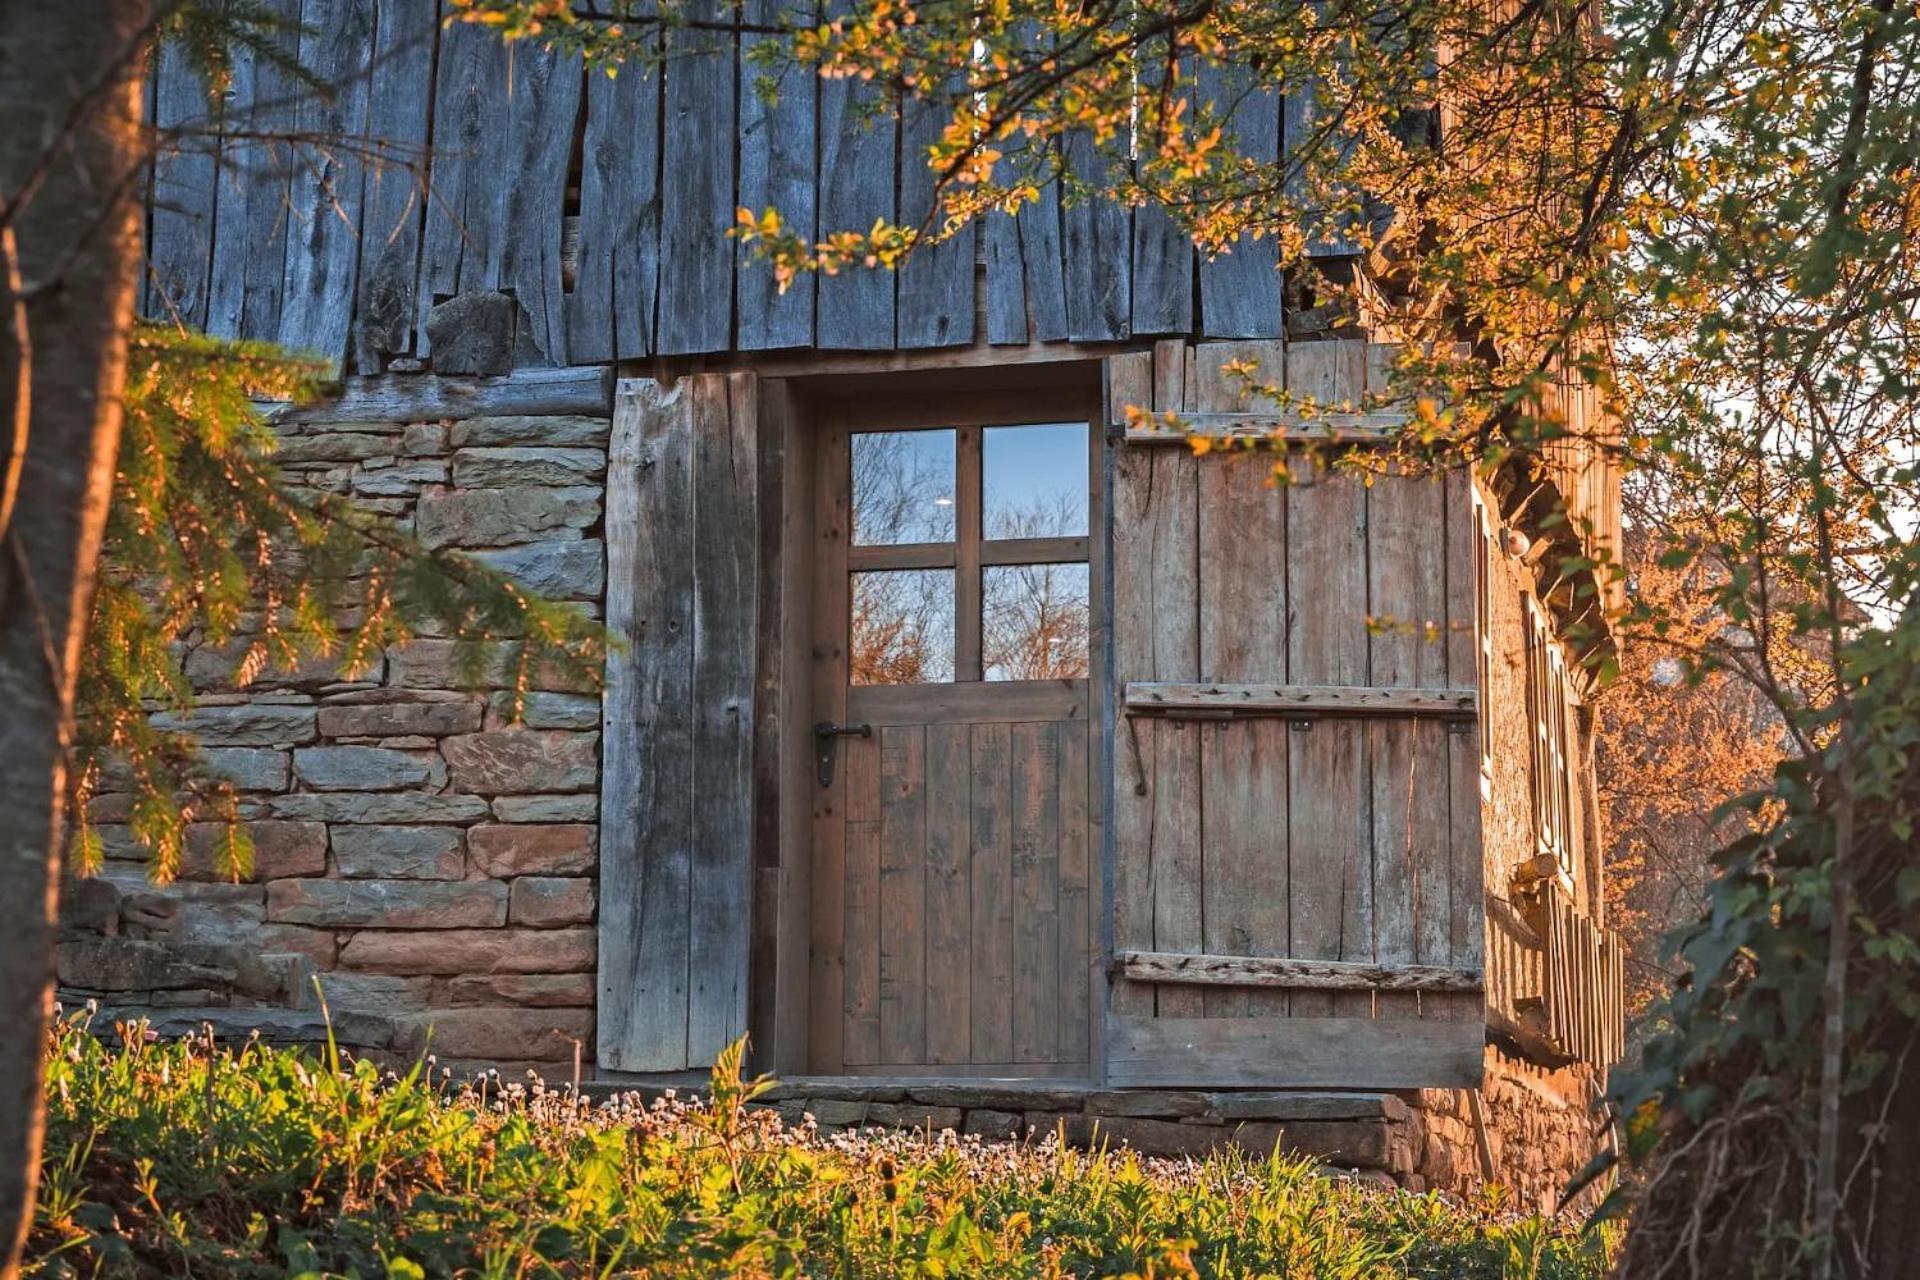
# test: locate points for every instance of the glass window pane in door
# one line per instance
(903, 487)
(1034, 481)
(901, 628)
(1034, 621)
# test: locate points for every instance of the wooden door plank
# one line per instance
(1328, 811)
(725, 627)
(858, 162)
(935, 285)
(860, 1003)
(545, 107)
(396, 195)
(697, 208)
(903, 895)
(610, 311)
(1076, 896)
(1034, 760)
(250, 218)
(1240, 288)
(990, 858)
(778, 149)
(827, 638)
(325, 190)
(648, 780)
(949, 761)
(1345, 1053)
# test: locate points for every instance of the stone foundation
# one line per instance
(432, 864)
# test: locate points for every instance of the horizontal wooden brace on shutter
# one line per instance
(1296, 700)
(1293, 427)
(676, 823)
(1303, 975)
(1306, 1053)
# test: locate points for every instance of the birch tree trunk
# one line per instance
(70, 156)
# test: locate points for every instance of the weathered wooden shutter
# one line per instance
(1296, 812)
(677, 783)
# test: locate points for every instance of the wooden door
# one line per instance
(956, 638)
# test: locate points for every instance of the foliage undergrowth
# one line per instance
(190, 1158)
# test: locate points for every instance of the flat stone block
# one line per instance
(513, 761)
(537, 990)
(1000, 1097)
(575, 569)
(245, 724)
(395, 719)
(540, 710)
(406, 853)
(550, 849)
(583, 807)
(557, 431)
(984, 1123)
(896, 1115)
(375, 992)
(491, 468)
(281, 850)
(541, 1034)
(502, 517)
(1295, 1105)
(1159, 1104)
(398, 807)
(388, 904)
(544, 902)
(360, 769)
(472, 951)
(248, 768)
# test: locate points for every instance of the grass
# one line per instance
(191, 1158)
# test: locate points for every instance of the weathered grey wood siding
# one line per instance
(603, 206)
(676, 788)
(1324, 835)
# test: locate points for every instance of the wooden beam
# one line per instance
(1306, 975)
(1214, 698)
(422, 397)
(1330, 1053)
(1377, 427)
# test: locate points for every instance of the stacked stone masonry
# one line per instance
(431, 863)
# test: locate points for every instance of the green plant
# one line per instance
(191, 1157)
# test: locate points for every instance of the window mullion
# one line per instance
(966, 578)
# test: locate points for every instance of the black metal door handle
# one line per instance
(825, 737)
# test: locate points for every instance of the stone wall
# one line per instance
(434, 865)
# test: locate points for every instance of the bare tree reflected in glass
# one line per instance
(1034, 617)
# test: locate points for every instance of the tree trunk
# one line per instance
(69, 91)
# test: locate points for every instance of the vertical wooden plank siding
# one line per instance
(1240, 289)
(1163, 253)
(726, 585)
(990, 855)
(832, 521)
(648, 770)
(949, 762)
(858, 133)
(545, 107)
(396, 193)
(1097, 240)
(778, 150)
(935, 285)
(903, 894)
(610, 311)
(676, 796)
(324, 193)
(1041, 250)
(1075, 897)
(696, 258)
(461, 248)
(180, 233)
(250, 228)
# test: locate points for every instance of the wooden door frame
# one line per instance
(802, 911)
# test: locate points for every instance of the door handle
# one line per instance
(825, 737)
